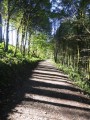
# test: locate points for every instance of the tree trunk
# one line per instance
(29, 44)
(0, 28)
(24, 47)
(89, 69)
(22, 42)
(7, 36)
(56, 51)
(0, 24)
(78, 57)
(17, 42)
(7, 30)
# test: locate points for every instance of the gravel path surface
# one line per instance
(49, 95)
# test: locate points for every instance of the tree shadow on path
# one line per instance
(25, 84)
(11, 93)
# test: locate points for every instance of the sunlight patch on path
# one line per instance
(49, 95)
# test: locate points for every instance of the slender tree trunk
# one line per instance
(89, 69)
(24, 47)
(17, 42)
(7, 30)
(12, 35)
(29, 43)
(56, 51)
(0, 28)
(0, 24)
(78, 57)
(22, 41)
(4, 30)
(55, 55)
(7, 36)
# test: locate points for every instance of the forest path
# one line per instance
(49, 95)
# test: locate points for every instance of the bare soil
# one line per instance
(47, 94)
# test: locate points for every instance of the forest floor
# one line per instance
(47, 94)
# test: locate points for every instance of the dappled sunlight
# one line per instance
(49, 76)
(44, 60)
(53, 87)
(42, 92)
(50, 73)
(54, 102)
(13, 94)
(59, 95)
(51, 79)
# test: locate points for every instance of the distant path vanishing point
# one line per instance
(50, 95)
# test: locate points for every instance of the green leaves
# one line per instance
(39, 44)
(71, 38)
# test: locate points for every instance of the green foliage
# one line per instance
(26, 16)
(78, 78)
(11, 67)
(40, 46)
(72, 42)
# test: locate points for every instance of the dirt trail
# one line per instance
(49, 95)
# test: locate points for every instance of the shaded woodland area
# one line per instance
(72, 42)
(35, 30)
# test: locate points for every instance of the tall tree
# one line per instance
(0, 23)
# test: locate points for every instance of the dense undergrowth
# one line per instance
(77, 77)
(13, 68)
